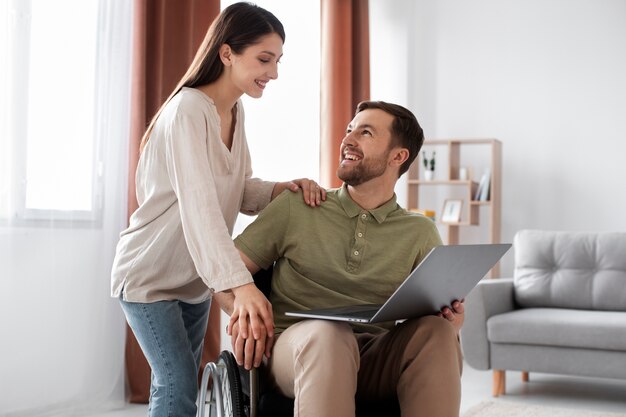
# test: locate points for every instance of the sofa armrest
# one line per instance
(489, 298)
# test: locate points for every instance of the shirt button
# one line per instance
(364, 216)
(356, 253)
(360, 235)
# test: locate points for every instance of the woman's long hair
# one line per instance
(239, 26)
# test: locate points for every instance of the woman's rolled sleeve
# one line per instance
(256, 195)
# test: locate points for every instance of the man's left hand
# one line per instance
(248, 351)
(455, 314)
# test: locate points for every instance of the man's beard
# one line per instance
(365, 171)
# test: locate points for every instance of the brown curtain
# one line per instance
(166, 35)
(345, 76)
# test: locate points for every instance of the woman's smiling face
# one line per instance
(257, 65)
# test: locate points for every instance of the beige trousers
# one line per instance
(324, 366)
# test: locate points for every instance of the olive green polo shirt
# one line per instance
(336, 254)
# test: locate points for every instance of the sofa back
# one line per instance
(570, 270)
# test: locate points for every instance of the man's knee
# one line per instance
(434, 337)
(438, 329)
(315, 353)
(326, 336)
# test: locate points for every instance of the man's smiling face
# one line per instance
(365, 150)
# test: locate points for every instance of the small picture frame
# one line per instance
(451, 212)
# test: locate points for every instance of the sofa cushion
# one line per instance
(570, 270)
(604, 330)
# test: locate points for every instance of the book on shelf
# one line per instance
(482, 193)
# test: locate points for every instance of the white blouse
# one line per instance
(190, 188)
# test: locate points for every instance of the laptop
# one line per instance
(446, 274)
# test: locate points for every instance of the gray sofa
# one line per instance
(563, 312)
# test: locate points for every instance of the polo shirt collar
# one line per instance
(352, 209)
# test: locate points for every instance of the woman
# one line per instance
(192, 178)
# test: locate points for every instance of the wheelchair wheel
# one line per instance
(230, 384)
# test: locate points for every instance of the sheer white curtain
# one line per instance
(64, 94)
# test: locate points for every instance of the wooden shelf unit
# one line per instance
(492, 148)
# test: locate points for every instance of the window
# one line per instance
(50, 159)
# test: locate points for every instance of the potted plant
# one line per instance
(429, 165)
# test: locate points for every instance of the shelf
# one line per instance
(441, 182)
(458, 157)
(458, 224)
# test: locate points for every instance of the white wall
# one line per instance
(544, 77)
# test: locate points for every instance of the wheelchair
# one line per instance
(227, 398)
(237, 392)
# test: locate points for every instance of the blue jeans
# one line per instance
(171, 334)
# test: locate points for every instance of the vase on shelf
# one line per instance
(429, 175)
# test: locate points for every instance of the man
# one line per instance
(356, 248)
